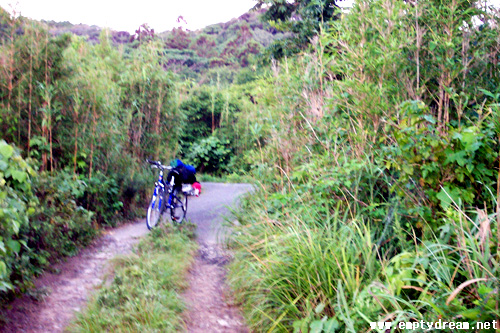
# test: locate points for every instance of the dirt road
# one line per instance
(64, 291)
(210, 307)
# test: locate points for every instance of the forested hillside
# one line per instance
(372, 136)
(216, 52)
(219, 51)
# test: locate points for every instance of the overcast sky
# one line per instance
(126, 15)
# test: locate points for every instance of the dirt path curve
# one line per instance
(64, 291)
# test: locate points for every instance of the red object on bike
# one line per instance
(197, 188)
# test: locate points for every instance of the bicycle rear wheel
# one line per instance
(155, 210)
(178, 207)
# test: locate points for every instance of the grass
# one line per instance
(289, 272)
(295, 272)
(143, 292)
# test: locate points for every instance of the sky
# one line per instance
(125, 15)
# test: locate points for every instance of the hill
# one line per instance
(91, 32)
(216, 52)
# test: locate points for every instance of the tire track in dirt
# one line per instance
(210, 308)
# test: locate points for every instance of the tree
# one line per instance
(142, 35)
(178, 39)
(207, 112)
(302, 18)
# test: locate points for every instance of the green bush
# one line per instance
(16, 204)
(57, 227)
(60, 225)
(210, 154)
(436, 168)
(207, 110)
(102, 196)
(40, 220)
(136, 191)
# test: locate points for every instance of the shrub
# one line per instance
(135, 192)
(210, 154)
(57, 227)
(16, 204)
(102, 196)
(40, 220)
(60, 225)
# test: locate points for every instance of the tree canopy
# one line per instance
(303, 19)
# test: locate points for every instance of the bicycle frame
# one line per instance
(159, 185)
(171, 189)
(159, 201)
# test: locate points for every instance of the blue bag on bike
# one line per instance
(186, 173)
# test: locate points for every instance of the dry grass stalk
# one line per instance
(314, 101)
(484, 231)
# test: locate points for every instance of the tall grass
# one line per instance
(352, 224)
(298, 268)
(298, 273)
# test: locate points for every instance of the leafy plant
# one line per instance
(59, 227)
(16, 205)
(378, 136)
(102, 196)
(209, 154)
(302, 18)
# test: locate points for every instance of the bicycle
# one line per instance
(177, 199)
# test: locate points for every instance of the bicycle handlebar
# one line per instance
(158, 164)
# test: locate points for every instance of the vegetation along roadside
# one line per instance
(142, 292)
(372, 135)
(378, 196)
(82, 107)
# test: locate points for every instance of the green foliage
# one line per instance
(177, 39)
(304, 19)
(143, 294)
(228, 48)
(209, 155)
(452, 167)
(40, 220)
(90, 108)
(296, 267)
(60, 226)
(382, 138)
(207, 131)
(375, 153)
(16, 205)
(134, 192)
(101, 196)
(293, 271)
(85, 114)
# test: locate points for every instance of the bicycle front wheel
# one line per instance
(178, 206)
(155, 210)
